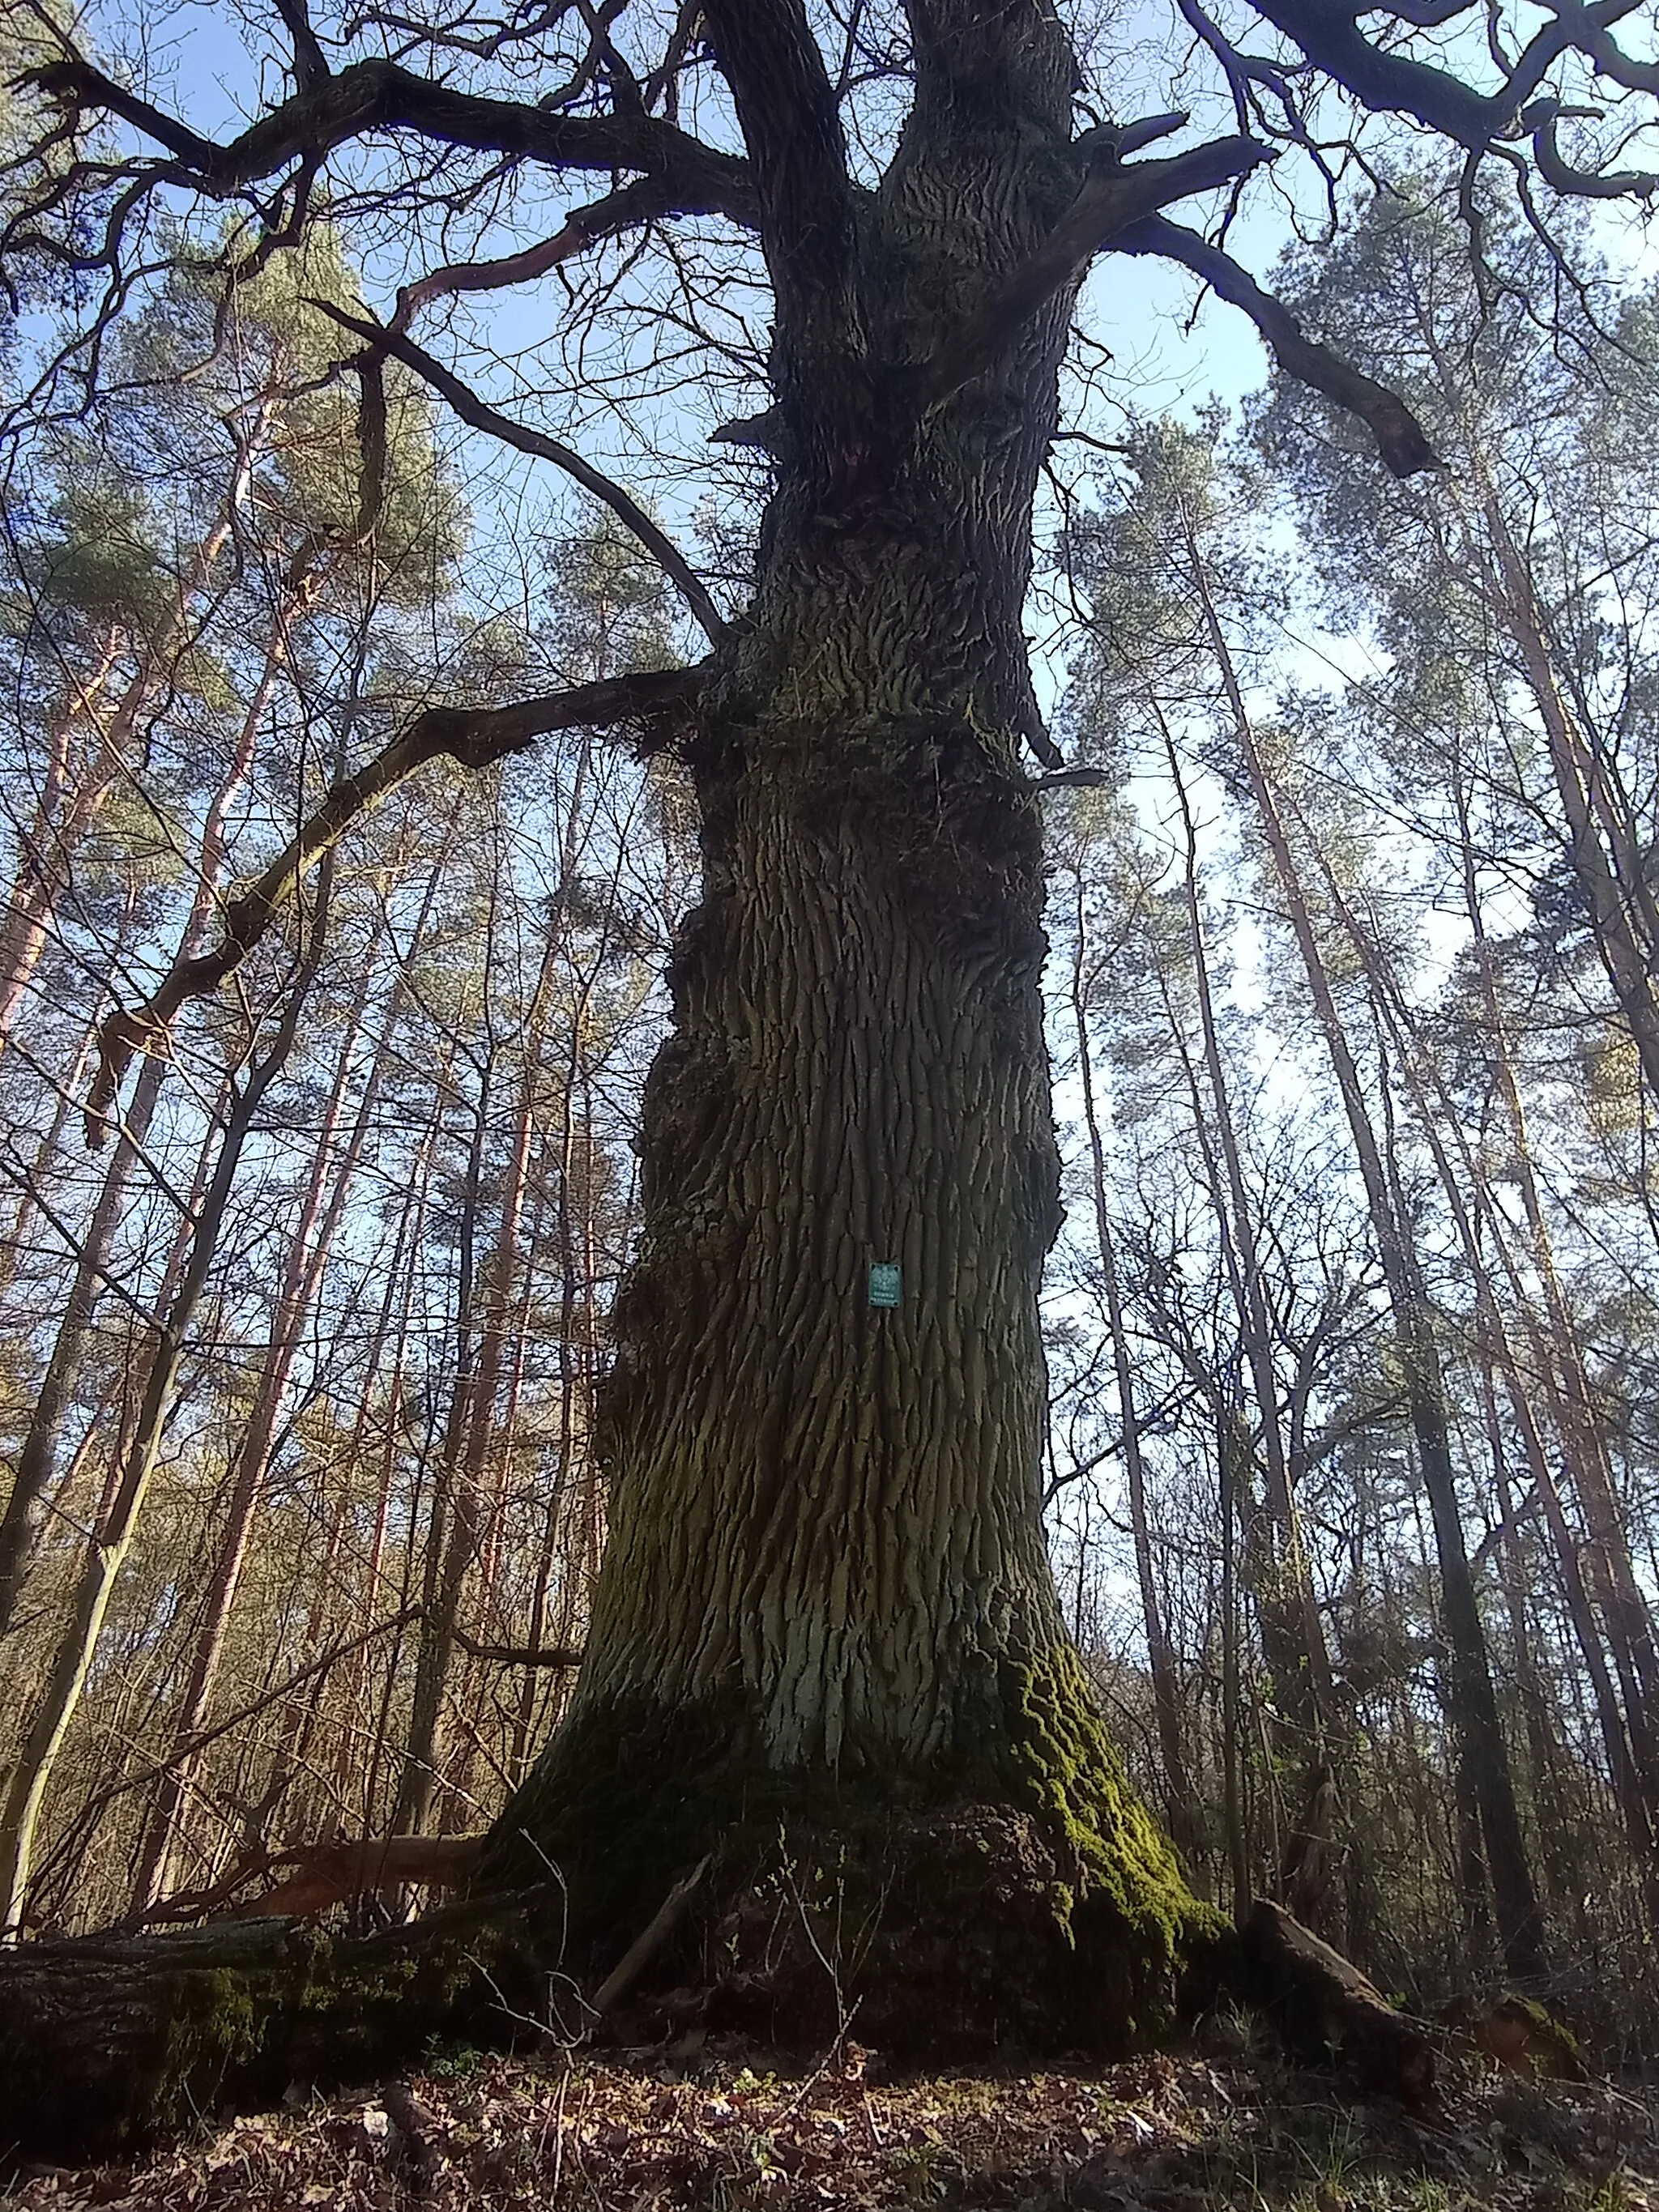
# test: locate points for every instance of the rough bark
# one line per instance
(825, 1647)
(825, 1612)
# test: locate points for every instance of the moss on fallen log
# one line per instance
(108, 2044)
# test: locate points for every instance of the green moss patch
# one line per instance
(1021, 1897)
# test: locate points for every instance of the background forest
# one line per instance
(1355, 1030)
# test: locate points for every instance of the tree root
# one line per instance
(972, 1951)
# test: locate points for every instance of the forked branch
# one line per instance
(475, 737)
(1111, 201)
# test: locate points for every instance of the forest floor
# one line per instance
(1227, 2128)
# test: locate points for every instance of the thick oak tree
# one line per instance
(826, 1656)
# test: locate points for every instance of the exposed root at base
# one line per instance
(956, 1936)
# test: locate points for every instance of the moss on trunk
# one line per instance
(1021, 1899)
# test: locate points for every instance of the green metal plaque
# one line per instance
(885, 1282)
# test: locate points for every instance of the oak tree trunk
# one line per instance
(825, 1639)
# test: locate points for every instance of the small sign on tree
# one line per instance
(885, 1282)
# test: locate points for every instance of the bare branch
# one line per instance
(1392, 83)
(643, 201)
(1422, 14)
(481, 416)
(1590, 34)
(310, 66)
(1399, 436)
(1112, 200)
(378, 96)
(475, 737)
(1544, 116)
(140, 1778)
(639, 1954)
(516, 1655)
(1396, 82)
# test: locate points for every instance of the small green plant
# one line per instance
(444, 2061)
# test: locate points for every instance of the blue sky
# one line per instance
(1171, 351)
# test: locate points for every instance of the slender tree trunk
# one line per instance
(65, 813)
(459, 1523)
(1544, 1750)
(456, 1524)
(1631, 1750)
(1621, 1741)
(1628, 953)
(27, 1505)
(1293, 1635)
(308, 1255)
(1473, 1699)
(106, 1553)
(1232, 1740)
(47, 845)
(1160, 1655)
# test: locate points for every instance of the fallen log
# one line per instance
(1518, 2035)
(322, 1875)
(109, 2043)
(1321, 2006)
(317, 1875)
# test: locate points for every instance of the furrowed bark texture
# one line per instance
(826, 1609)
(825, 1650)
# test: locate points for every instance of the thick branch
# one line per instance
(1330, 37)
(1112, 200)
(1399, 436)
(378, 96)
(792, 127)
(481, 416)
(1584, 184)
(1589, 29)
(1390, 82)
(475, 737)
(1421, 15)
